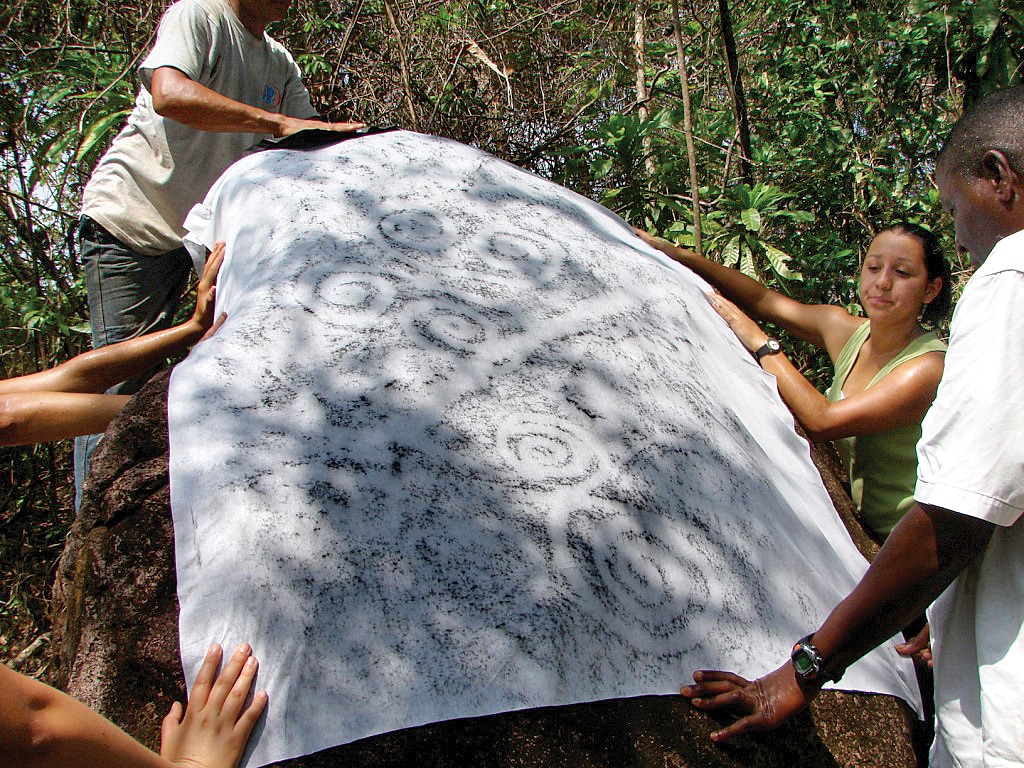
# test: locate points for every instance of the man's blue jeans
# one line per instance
(129, 294)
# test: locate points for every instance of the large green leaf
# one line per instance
(731, 252)
(779, 261)
(99, 131)
(751, 219)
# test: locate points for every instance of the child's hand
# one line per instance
(215, 728)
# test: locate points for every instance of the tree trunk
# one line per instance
(691, 153)
(739, 100)
(410, 102)
(642, 94)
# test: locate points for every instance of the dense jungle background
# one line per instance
(779, 135)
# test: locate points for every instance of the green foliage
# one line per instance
(737, 230)
(985, 41)
(76, 116)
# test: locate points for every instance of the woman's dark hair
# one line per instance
(937, 266)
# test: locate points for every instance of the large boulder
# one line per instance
(116, 646)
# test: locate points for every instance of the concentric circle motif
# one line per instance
(419, 230)
(545, 450)
(339, 295)
(447, 325)
(634, 572)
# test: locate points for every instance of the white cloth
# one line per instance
(466, 445)
(971, 461)
(157, 168)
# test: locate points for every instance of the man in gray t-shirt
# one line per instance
(213, 85)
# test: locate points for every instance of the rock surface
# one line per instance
(116, 642)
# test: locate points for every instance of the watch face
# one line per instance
(770, 347)
(803, 663)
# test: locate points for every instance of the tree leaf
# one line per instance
(985, 18)
(751, 219)
(778, 259)
(731, 251)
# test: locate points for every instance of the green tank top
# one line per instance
(882, 466)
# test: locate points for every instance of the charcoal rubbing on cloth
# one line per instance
(466, 445)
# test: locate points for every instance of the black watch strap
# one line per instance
(809, 664)
(770, 347)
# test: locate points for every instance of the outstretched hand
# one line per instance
(216, 724)
(670, 249)
(206, 290)
(651, 240)
(747, 331)
(294, 125)
(761, 705)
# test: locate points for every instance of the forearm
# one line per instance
(199, 107)
(809, 407)
(100, 369)
(97, 371)
(920, 558)
(922, 555)
(44, 727)
(35, 417)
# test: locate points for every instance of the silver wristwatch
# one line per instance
(770, 347)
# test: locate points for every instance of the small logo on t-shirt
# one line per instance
(271, 96)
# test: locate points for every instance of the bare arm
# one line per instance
(66, 401)
(928, 548)
(100, 369)
(822, 325)
(178, 97)
(39, 417)
(902, 397)
(40, 726)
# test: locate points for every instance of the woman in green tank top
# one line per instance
(887, 366)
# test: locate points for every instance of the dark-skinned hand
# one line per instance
(761, 705)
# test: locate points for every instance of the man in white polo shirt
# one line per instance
(962, 544)
(213, 85)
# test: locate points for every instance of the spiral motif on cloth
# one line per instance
(418, 230)
(637, 568)
(545, 451)
(343, 294)
(449, 325)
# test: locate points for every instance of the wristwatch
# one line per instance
(770, 347)
(808, 663)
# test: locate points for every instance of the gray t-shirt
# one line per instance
(157, 168)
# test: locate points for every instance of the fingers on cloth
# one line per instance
(212, 268)
(233, 684)
(207, 674)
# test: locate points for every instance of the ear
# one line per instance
(996, 169)
(933, 290)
